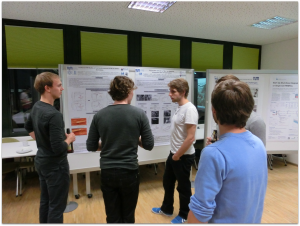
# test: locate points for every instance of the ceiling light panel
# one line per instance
(274, 22)
(158, 7)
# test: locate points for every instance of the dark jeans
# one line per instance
(54, 183)
(180, 171)
(120, 188)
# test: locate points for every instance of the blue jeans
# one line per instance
(180, 171)
(120, 188)
(54, 184)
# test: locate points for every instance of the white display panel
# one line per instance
(276, 100)
(152, 96)
(85, 93)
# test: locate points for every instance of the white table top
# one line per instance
(9, 150)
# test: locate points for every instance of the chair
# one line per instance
(269, 159)
(155, 166)
(30, 159)
(20, 167)
(23, 166)
(27, 165)
(10, 167)
(279, 156)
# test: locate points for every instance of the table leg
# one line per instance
(88, 184)
(75, 185)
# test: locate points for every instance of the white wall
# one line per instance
(281, 56)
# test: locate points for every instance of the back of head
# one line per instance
(120, 87)
(43, 79)
(233, 102)
(226, 77)
(181, 85)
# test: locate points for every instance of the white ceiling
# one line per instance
(224, 21)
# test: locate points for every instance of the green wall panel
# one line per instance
(103, 49)
(206, 56)
(245, 58)
(158, 52)
(29, 47)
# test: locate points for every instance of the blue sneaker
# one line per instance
(159, 211)
(178, 220)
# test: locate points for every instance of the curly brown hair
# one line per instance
(44, 79)
(233, 102)
(120, 87)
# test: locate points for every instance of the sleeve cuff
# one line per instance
(201, 213)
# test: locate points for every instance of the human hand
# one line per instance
(175, 157)
(70, 138)
(99, 147)
(140, 142)
(208, 141)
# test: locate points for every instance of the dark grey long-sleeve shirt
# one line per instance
(48, 126)
(119, 128)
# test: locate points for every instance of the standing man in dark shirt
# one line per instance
(122, 128)
(45, 124)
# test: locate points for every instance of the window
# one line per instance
(27, 49)
(206, 56)
(103, 49)
(23, 96)
(199, 94)
(157, 52)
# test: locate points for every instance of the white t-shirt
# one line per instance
(185, 114)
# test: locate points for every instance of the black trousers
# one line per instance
(180, 171)
(54, 184)
(120, 188)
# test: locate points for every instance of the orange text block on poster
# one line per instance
(78, 121)
(79, 131)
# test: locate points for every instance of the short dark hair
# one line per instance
(120, 87)
(44, 79)
(233, 102)
(181, 85)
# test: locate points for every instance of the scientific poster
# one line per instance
(283, 109)
(87, 88)
(256, 83)
(152, 95)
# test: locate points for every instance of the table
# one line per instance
(85, 162)
(9, 150)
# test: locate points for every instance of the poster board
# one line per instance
(276, 100)
(85, 94)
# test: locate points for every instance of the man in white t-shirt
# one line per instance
(179, 162)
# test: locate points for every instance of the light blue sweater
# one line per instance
(231, 181)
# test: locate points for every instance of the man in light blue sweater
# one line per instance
(231, 181)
